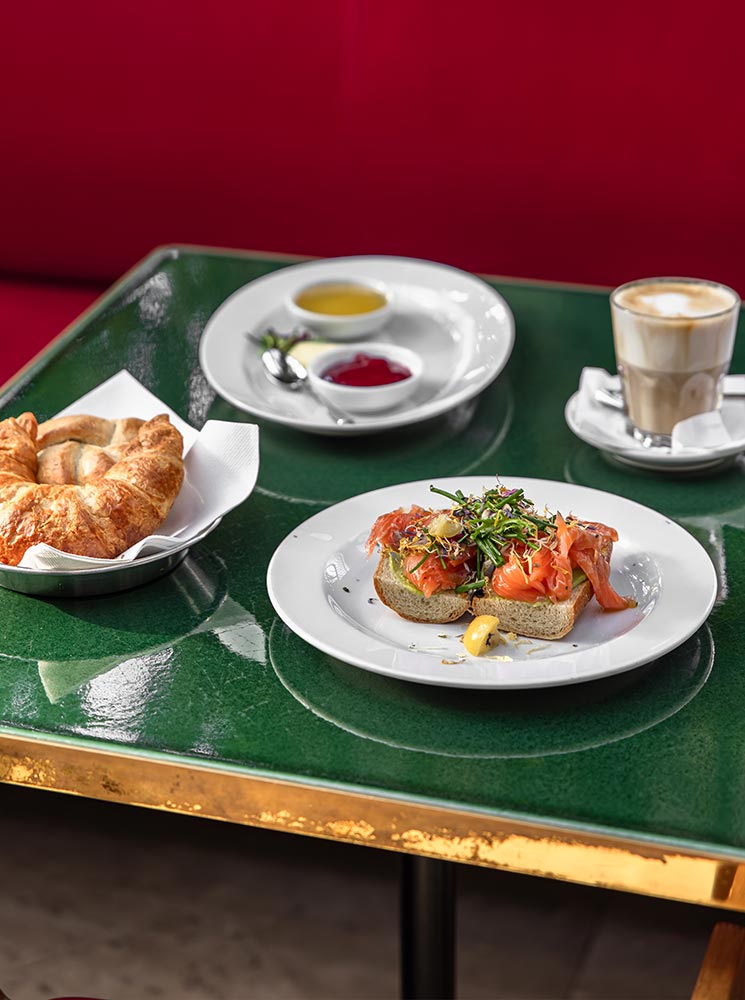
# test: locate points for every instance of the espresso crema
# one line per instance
(674, 340)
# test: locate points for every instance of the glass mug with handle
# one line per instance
(673, 340)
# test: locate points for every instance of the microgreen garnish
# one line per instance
(496, 521)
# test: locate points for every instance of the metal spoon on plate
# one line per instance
(291, 373)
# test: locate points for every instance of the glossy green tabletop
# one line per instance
(196, 667)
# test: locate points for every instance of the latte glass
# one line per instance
(673, 339)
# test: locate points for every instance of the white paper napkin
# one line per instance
(700, 433)
(220, 472)
(705, 432)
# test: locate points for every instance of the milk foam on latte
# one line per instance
(674, 340)
(676, 298)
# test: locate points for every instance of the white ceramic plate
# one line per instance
(611, 437)
(320, 583)
(460, 326)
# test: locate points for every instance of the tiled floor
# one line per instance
(120, 903)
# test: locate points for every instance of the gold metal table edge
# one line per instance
(388, 823)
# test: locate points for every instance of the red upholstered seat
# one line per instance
(589, 143)
(32, 313)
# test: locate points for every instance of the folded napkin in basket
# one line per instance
(704, 432)
(220, 471)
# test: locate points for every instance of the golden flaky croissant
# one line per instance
(79, 447)
(101, 518)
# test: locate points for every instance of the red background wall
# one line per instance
(582, 142)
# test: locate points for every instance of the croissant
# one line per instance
(79, 448)
(100, 518)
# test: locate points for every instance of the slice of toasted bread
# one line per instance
(541, 619)
(410, 603)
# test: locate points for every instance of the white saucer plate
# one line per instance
(625, 448)
(462, 328)
(320, 583)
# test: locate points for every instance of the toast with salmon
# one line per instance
(397, 593)
(493, 555)
(541, 619)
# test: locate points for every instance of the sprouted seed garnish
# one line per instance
(497, 519)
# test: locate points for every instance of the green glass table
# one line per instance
(190, 695)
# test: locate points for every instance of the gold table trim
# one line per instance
(387, 823)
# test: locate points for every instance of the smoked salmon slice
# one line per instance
(528, 575)
(539, 563)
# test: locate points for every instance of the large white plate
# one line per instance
(320, 583)
(460, 326)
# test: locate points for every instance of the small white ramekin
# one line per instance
(366, 399)
(341, 327)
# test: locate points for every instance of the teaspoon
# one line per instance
(290, 372)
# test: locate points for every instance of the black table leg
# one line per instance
(427, 929)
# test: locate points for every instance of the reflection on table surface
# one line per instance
(492, 724)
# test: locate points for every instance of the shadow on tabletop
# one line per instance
(458, 722)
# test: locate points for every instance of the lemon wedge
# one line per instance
(482, 635)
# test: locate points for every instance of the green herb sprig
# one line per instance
(496, 520)
(284, 342)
